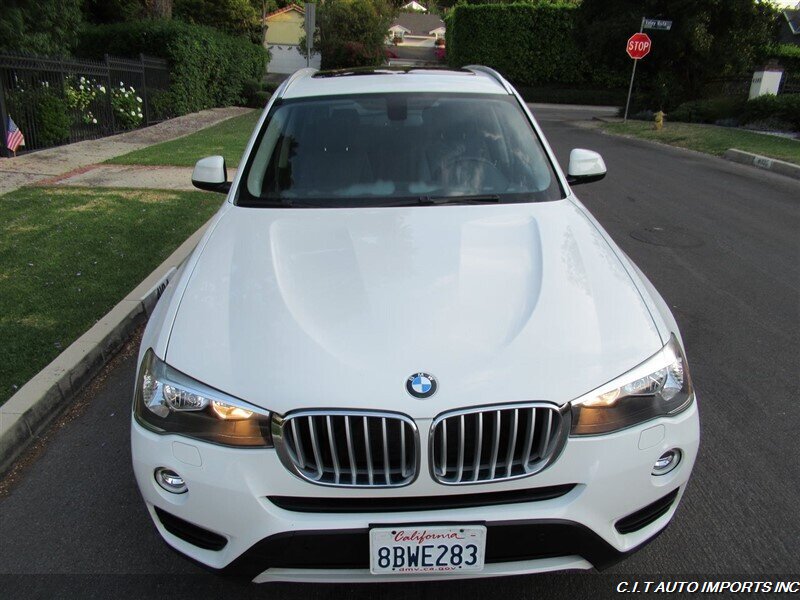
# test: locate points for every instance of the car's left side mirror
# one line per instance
(211, 174)
(585, 166)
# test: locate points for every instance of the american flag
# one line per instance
(14, 137)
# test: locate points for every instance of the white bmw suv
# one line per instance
(404, 349)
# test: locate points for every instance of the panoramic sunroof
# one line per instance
(389, 71)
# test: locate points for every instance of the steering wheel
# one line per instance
(461, 168)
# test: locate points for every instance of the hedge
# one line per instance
(208, 68)
(773, 112)
(788, 56)
(529, 43)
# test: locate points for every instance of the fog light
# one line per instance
(170, 481)
(667, 462)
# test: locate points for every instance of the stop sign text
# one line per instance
(638, 45)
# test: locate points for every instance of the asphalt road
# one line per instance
(720, 241)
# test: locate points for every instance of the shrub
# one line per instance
(44, 107)
(207, 68)
(126, 107)
(787, 55)
(82, 95)
(259, 99)
(782, 112)
(257, 93)
(53, 120)
(774, 112)
(709, 111)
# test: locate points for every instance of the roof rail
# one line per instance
(299, 74)
(491, 73)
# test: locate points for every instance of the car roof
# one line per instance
(308, 82)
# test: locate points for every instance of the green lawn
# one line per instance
(710, 138)
(227, 138)
(67, 255)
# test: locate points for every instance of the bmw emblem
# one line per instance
(421, 385)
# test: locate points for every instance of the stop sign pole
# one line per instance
(638, 47)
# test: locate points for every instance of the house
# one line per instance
(790, 26)
(415, 6)
(416, 29)
(285, 29)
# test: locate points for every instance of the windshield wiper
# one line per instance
(477, 198)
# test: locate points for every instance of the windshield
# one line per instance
(390, 149)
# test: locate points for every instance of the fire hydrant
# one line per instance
(659, 120)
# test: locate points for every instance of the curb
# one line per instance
(28, 412)
(762, 162)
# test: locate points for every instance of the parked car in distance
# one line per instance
(404, 350)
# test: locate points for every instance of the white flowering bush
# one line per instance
(127, 106)
(81, 93)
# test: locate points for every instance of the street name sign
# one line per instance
(657, 24)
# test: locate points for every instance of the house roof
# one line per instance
(285, 9)
(418, 23)
(414, 5)
(793, 18)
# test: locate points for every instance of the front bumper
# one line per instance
(229, 490)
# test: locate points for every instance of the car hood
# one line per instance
(301, 308)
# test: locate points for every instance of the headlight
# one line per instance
(167, 401)
(659, 386)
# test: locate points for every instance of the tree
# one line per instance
(113, 11)
(45, 27)
(709, 38)
(237, 17)
(159, 9)
(351, 33)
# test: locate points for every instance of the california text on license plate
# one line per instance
(427, 549)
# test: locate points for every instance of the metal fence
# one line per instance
(57, 101)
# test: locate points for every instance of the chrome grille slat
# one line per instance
(298, 445)
(402, 451)
(519, 440)
(350, 453)
(461, 438)
(386, 472)
(512, 443)
(495, 445)
(315, 447)
(349, 448)
(478, 446)
(368, 450)
(334, 457)
(529, 439)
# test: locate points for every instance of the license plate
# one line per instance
(426, 549)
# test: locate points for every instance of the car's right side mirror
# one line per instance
(585, 166)
(211, 174)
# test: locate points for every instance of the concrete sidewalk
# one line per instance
(130, 176)
(54, 164)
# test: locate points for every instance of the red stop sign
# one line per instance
(639, 45)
